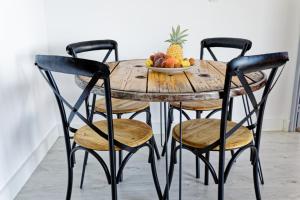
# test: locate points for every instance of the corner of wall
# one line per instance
(20, 177)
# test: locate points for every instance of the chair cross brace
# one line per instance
(254, 103)
(79, 102)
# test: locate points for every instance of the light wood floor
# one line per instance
(280, 156)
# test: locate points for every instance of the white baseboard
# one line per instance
(276, 125)
(18, 180)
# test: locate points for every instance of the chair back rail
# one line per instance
(94, 45)
(236, 43)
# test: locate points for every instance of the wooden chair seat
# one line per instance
(200, 133)
(129, 132)
(120, 106)
(202, 105)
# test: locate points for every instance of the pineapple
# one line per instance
(177, 38)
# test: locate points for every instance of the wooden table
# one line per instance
(132, 80)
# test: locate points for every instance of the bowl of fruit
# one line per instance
(163, 63)
(173, 61)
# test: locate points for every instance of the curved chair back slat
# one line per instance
(68, 65)
(236, 43)
(94, 45)
(248, 64)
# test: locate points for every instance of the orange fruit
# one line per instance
(192, 61)
(164, 63)
(177, 65)
(170, 62)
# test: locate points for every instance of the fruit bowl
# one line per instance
(169, 70)
(168, 64)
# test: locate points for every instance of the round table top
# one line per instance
(130, 79)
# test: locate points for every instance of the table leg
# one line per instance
(166, 154)
(160, 115)
(180, 151)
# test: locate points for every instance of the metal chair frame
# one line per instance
(98, 45)
(95, 70)
(236, 43)
(238, 67)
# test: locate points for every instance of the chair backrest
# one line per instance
(238, 67)
(88, 46)
(74, 66)
(235, 43)
(94, 45)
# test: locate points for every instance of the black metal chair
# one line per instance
(224, 135)
(106, 135)
(119, 106)
(208, 105)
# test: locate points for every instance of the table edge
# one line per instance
(171, 97)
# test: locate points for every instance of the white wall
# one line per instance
(140, 27)
(27, 107)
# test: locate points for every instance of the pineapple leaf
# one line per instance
(177, 36)
(177, 30)
(182, 36)
(181, 42)
(173, 31)
(182, 32)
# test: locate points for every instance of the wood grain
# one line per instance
(162, 83)
(112, 66)
(250, 77)
(129, 132)
(133, 81)
(130, 76)
(203, 77)
(200, 133)
(201, 105)
(120, 106)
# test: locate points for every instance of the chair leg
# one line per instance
(113, 176)
(70, 179)
(120, 162)
(255, 174)
(221, 174)
(260, 173)
(170, 121)
(154, 172)
(259, 168)
(197, 167)
(119, 116)
(149, 122)
(206, 178)
(155, 149)
(198, 116)
(171, 168)
(73, 156)
(153, 144)
(86, 154)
